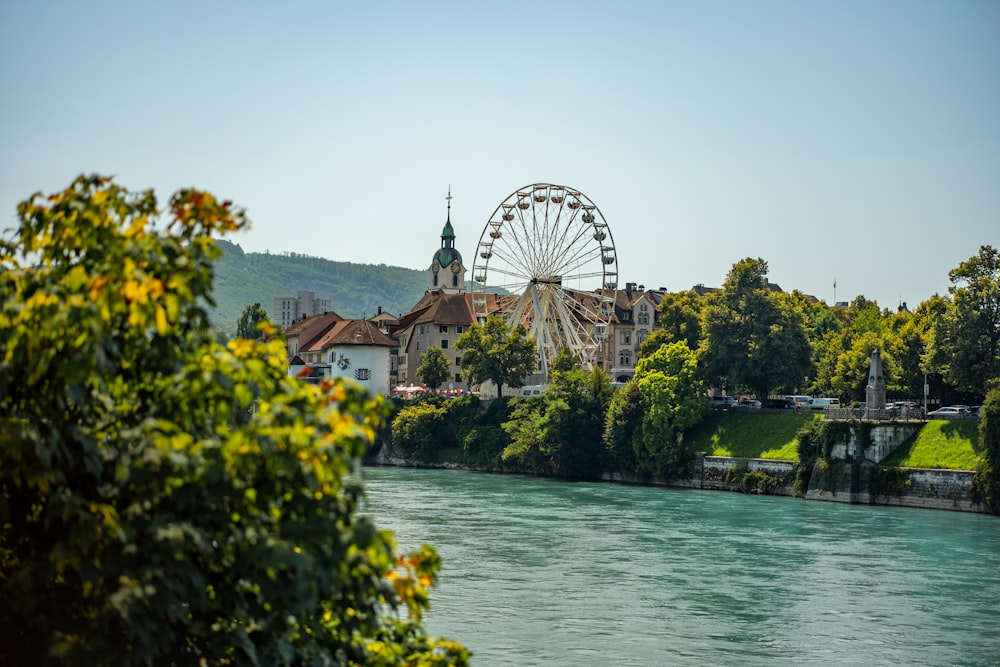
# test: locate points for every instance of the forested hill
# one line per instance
(355, 290)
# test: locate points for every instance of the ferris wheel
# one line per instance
(546, 261)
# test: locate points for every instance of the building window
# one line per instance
(443, 328)
(454, 281)
(444, 343)
(459, 329)
(362, 374)
(625, 359)
(458, 361)
(458, 377)
(435, 280)
(643, 318)
(626, 338)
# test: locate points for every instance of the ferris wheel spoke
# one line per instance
(511, 263)
(581, 255)
(526, 236)
(507, 272)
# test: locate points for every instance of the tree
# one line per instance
(418, 429)
(646, 420)
(986, 481)
(753, 339)
(249, 325)
(565, 360)
(143, 520)
(493, 351)
(559, 432)
(965, 342)
(680, 316)
(434, 367)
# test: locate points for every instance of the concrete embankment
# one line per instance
(836, 482)
(851, 475)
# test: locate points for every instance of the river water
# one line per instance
(542, 572)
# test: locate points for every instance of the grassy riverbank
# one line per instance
(953, 445)
(760, 436)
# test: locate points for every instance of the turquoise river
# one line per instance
(543, 572)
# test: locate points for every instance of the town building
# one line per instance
(352, 349)
(290, 309)
(442, 315)
(635, 318)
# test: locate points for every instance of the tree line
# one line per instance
(744, 338)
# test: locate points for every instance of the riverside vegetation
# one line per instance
(560, 434)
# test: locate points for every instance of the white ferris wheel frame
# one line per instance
(548, 249)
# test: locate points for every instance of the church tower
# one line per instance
(447, 273)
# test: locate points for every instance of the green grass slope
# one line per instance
(762, 436)
(952, 445)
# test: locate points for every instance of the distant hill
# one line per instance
(355, 290)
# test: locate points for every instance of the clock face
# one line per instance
(455, 267)
(435, 268)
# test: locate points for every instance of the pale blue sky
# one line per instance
(848, 140)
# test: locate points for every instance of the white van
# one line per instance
(822, 403)
(797, 401)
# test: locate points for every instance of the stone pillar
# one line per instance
(875, 389)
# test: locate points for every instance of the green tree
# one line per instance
(622, 421)
(753, 338)
(647, 419)
(249, 325)
(965, 342)
(559, 432)
(142, 520)
(420, 430)
(679, 315)
(986, 481)
(434, 369)
(493, 351)
(565, 360)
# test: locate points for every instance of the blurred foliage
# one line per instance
(165, 499)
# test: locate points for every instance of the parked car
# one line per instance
(950, 412)
(904, 409)
(822, 403)
(797, 401)
(723, 402)
(748, 404)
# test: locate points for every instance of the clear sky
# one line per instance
(855, 141)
